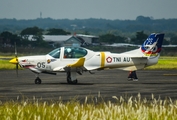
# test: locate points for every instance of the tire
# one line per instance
(37, 81)
(69, 79)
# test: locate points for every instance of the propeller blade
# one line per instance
(15, 50)
(17, 69)
(16, 59)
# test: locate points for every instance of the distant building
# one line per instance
(90, 39)
(63, 40)
(73, 41)
(68, 40)
(56, 40)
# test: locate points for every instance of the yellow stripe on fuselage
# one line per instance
(102, 59)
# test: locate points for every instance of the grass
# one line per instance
(165, 63)
(4, 64)
(131, 108)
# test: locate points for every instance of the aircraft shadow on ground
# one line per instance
(161, 83)
(62, 83)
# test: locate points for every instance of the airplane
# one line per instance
(76, 60)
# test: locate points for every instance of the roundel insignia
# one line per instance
(48, 61)
(109, 59)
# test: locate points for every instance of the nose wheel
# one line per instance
(37, 81)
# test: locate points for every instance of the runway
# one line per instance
(102, 84)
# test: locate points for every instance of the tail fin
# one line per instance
(153, 44)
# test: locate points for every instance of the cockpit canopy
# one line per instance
(68, 52)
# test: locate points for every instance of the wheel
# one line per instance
(37, 81)
(74, 81)
(69, 79)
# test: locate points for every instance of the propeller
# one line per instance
(15, 60)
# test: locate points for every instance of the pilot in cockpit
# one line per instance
(68, 53)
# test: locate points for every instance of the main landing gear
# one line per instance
(132, 76)
(71, 77)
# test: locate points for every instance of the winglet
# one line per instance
(79, 63)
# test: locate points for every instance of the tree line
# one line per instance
(7, 39)
(92, 25)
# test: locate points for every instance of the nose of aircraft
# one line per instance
(14, 61)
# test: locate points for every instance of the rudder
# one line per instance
(153, 44)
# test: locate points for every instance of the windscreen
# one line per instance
(55, 53)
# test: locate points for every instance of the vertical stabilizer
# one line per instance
(153, 44)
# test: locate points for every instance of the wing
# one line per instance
(34, 70)
(77, 64)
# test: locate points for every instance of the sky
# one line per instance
(84, 9)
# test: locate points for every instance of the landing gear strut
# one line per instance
(71, 76)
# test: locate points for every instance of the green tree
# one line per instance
(120, 39)
(108, 38)
(173, 40)
(55, 31)
(165, 42)
(37, 36)
(140, 38)
(31, 31)
(9, 38)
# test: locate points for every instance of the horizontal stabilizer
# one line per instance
(139, 63)
(139, 57)
(139, 60)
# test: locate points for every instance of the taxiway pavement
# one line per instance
(102, 84)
